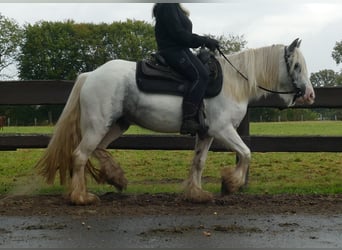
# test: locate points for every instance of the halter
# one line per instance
(297, 91)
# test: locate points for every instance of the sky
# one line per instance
(262, 22)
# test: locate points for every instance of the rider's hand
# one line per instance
(211, 43)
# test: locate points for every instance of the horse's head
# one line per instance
(293, 72)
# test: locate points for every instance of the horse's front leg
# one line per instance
(234, 178)
(193, 187)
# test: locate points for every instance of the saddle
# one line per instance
(153, 75)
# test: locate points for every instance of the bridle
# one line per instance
(296, 90)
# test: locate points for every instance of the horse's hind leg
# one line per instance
(193, 189)
(78, 192)
(110, 171)
(94, 132)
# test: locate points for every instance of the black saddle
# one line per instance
(155, 76)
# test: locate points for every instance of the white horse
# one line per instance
(104, 102)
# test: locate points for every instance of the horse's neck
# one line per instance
(267, 61)
(260, 66)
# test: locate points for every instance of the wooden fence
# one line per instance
(57, 92)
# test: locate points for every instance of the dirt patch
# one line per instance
(114, 204)
(53, 226)
(206, 231)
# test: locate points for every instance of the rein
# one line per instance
(296, 90)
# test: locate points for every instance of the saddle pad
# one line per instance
(154, 78)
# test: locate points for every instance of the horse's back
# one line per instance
(116, 66)
(110, 75)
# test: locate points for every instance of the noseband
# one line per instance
(296, 90)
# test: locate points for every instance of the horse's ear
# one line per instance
(298, 43)
(294, 44)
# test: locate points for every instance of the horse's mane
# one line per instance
(260, 66)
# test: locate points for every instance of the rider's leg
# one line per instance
(187, 64)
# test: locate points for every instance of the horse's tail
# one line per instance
(66, 137)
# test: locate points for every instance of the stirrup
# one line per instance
(190, 127)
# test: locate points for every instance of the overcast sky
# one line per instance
(262, 22)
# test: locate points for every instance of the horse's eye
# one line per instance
(296, 66)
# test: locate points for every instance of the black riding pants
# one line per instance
(188, 65)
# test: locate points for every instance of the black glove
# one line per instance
(211, 43)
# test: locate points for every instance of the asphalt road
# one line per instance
(173, 231)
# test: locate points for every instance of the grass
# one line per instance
(326, 128)
(156, 171)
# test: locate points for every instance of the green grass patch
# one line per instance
(164, 171)
(27, 130)
(154, 171)
(326, 128)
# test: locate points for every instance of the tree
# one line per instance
(337, 52)
(337, 56)
(339, 79)
(329, 78)
(130, 40)
(325, 78)
(61, 50)
(230, 44)
(10, 42)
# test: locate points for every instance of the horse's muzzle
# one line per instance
(308, 97)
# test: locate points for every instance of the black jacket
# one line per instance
(173, 29)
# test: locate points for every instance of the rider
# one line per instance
(173, 31)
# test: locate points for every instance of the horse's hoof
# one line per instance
(229, 184)
(118, 180)
(84, 199)
(205, 197)
(119, 183)
(198, 196)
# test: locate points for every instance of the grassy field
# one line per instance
(163, 171)
(328, 128)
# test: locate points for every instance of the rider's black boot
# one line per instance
(190, 124)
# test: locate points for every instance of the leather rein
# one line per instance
(297, 91)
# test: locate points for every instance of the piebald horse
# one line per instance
(105, 102)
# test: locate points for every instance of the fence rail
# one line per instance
(57, 92)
